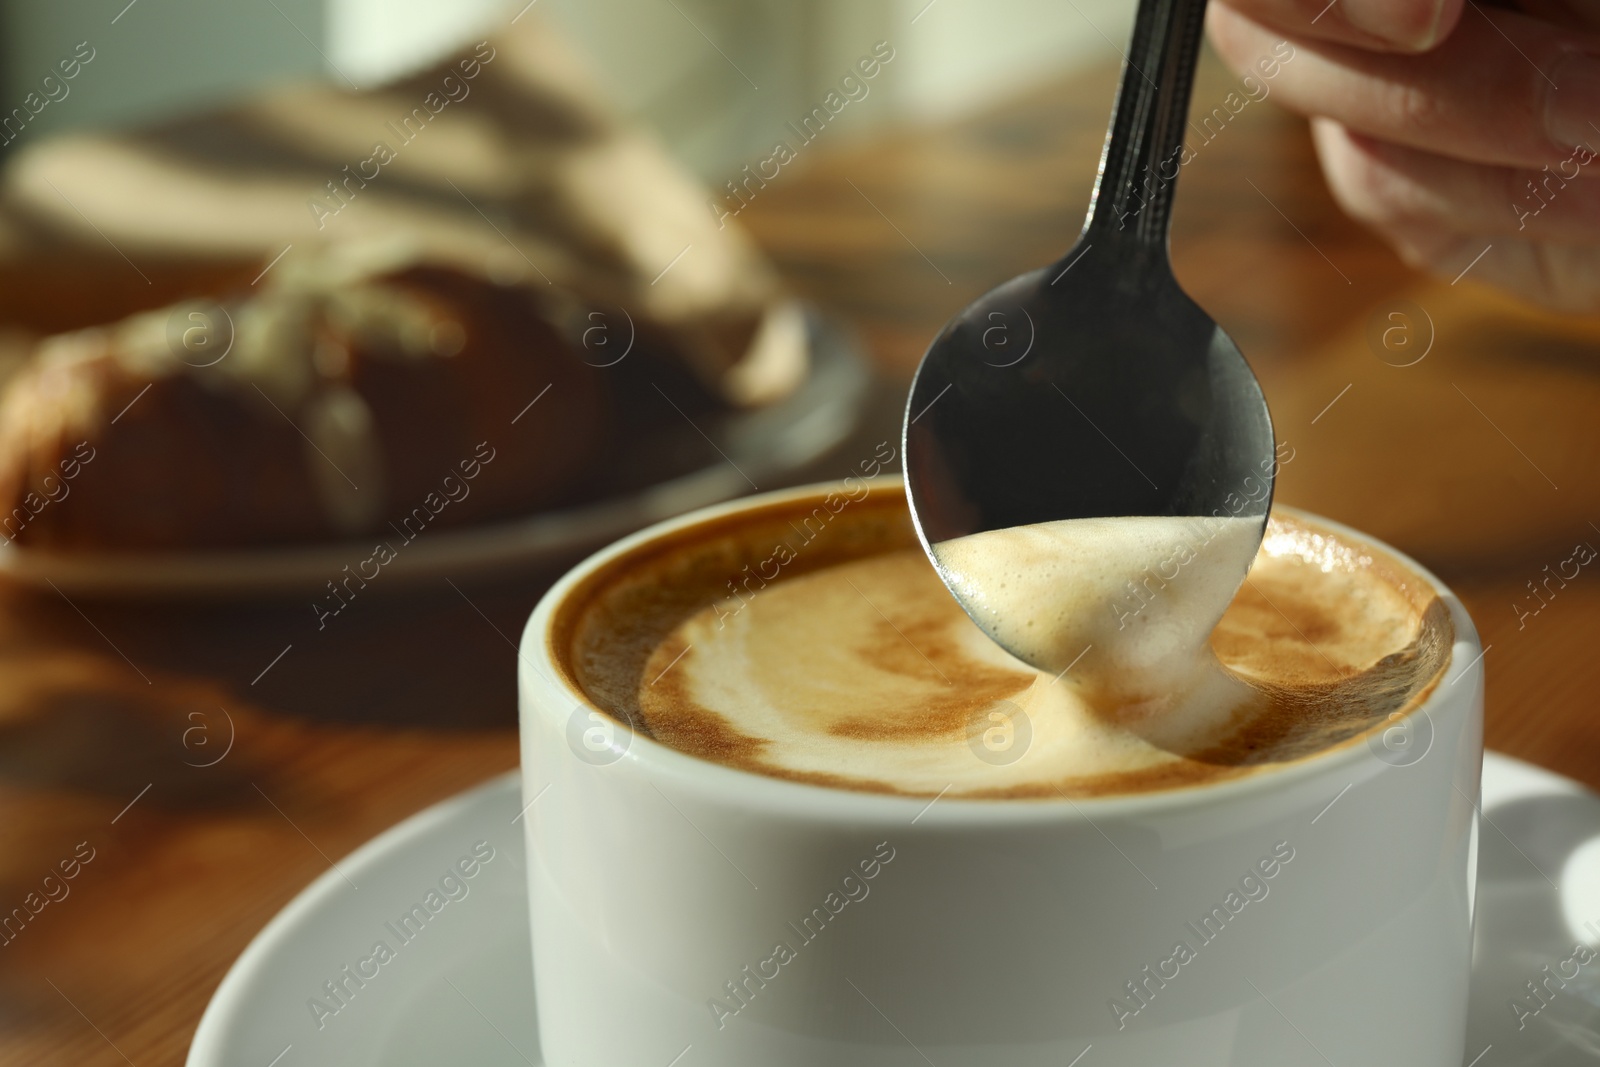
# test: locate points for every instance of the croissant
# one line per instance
(339, 396)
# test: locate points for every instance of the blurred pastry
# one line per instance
(502, 158)
(344, 394)
(325, 302)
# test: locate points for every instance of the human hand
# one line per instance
(1449, 127)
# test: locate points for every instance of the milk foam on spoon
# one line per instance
(1127, 603)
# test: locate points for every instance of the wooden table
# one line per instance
(1480, 459)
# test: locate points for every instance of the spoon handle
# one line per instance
(1132, 201)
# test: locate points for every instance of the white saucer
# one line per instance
(461, 990)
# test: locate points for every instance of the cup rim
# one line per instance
(648, 757)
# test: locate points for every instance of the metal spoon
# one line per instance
(1095, 387)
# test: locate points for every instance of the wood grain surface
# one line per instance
(1479, 459)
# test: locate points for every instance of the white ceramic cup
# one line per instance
(694, 915)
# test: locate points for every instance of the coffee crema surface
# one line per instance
(813, 640)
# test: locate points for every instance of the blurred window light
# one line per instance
(718, 79)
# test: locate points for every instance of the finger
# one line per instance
(1565, 278)
(1489, 93)
(1562, 277)
(1381, 25)
(1390, 186)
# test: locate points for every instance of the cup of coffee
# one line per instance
(787, 805)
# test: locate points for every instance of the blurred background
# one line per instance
(657, 58)
(1434, 413)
